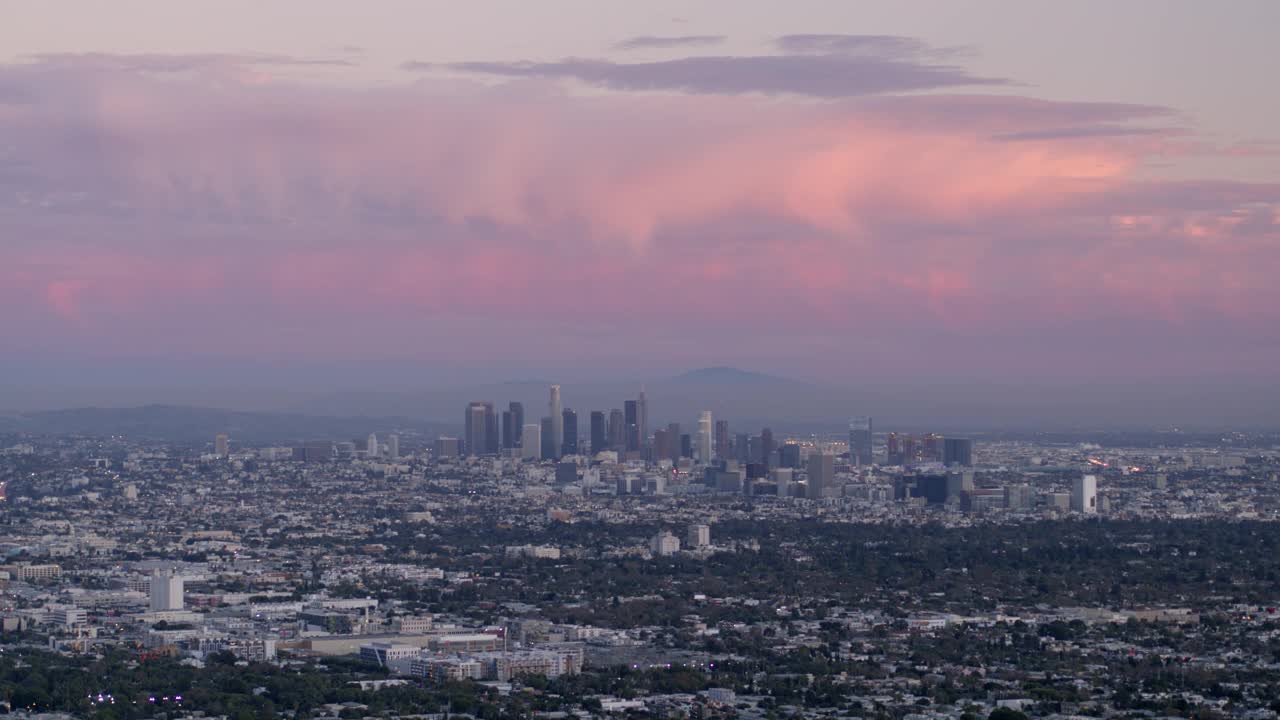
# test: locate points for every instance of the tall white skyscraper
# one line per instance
(531, 446)
(1084, 494)
(166, 591)
(371, 447)
(221, 445)
(557, 419)
(704, 436)
(393, 446)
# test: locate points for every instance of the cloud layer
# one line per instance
(172, 207)
(645, 42)
(823, 66)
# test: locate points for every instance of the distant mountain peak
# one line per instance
(725, 374)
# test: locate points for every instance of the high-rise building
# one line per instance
(550, 451)
(957, 451)
(481, 437)
(569, 422)
(822, 474)
(664, 543)
(699, 536)
(721, 446)
(642, 419)
(766, 447)
(742, 448)
(166, 591)
(517, 423)
(566, 472)
(1084, 494)
(686, 446)
(393, 446)
(531, 442)
(557, 419)
(631, 412)
(959, 483)
(661, 445)
(318, 451)
(508, 430)
(893, 449)
(371, 449)
(789, 455)
(492, 439)
(1019, 497)
(860, 441)
(673, 441)
(910, 454)
(617, 430)
(932, 487)
(446, 447)
(704, 436)
(933, 448)
(782, 478)
(599, 432)
(221, 445)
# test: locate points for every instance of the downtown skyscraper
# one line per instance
(557, 419)
(481, 427)
(642, 420)
(860, 441)
(957, 451)
(512, 425)
(631, 410)
(569, 427)
(617, 430)
(821, 472)
(704, 436)
(721, 442)
(599, 432)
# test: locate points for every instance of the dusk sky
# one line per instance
(357, 194)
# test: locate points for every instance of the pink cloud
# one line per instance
(61, 295)
(235, 217)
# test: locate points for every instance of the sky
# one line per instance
(316, 194)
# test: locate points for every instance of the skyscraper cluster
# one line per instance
(555, 435)
(905, 449)
(626, 431)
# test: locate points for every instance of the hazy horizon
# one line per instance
(738, 395)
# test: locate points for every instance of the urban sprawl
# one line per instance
(609, 565)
